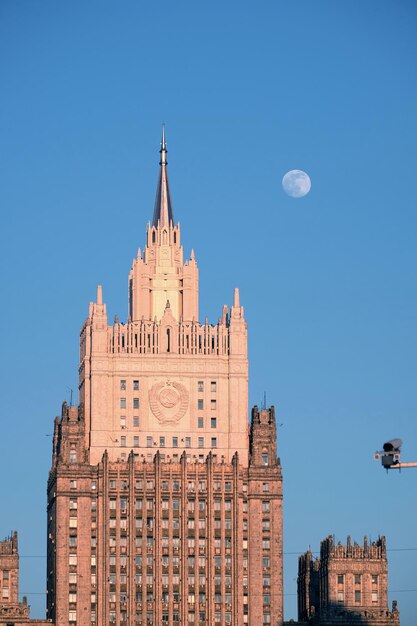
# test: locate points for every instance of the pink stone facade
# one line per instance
(348, 584)
(13, 612)
(164, 507)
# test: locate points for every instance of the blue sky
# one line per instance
(248, 91)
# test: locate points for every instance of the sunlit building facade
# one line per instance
(164, 503)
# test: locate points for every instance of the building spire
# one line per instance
(163, 208)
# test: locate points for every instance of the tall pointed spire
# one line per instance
(163, 208)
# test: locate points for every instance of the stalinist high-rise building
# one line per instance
(164, 504)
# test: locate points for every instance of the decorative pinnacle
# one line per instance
(163, 214)
(163, 151)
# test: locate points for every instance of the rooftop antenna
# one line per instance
(264, 402)
(71, 394)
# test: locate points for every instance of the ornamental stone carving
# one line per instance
(168, 401)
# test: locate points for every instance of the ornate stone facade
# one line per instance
(163, 508)
(13, 612)
(347, 585)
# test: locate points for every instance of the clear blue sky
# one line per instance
(248, 91)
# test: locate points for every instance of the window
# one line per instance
(200, 422)
(72, 578)
(213, 422)
(265, 544)
(265, 562)
(135, 403)
(136, 441)
(123, 421)
(213, 405)
(267, 599)
(72, 559)
(200, 386)
(93, 485)
(264, 458)
(340, 597)
(136, 421)
(122, 403)
(73, 455)
(213, 386)
(357, 579)
(72, 616)
(162, 442)
(265, 506)
(73, 522)
(200, 404)
(73, 542)
(135, 385)
(374, 597)
(73, 503)
(214, 442)
(72, 596)
(175, 442)
(149, 442)
(265, 486)
(201, 442)
(265, 524)
(340, 579)
(374, 579)
(188, 442)
(123, 441)
(122, 385)
(73, 484)
(357, 596)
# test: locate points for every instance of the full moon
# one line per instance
(296, 183)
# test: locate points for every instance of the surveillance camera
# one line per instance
(393, 445)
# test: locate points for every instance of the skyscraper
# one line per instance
(164, 507)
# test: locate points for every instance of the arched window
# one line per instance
(175, 237)
(153, 236)
(168, 340)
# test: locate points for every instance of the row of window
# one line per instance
(358, 579)
(200, 385)
(174, 505)
(123, 385)
(135, 403)
(164, 443)
(200, 404)
(200, 423)
(219, 618)
(358, 588)
(123, 422)
(192, 485)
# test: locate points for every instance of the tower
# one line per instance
(12, 612)
(348, 584)
(162, 507)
